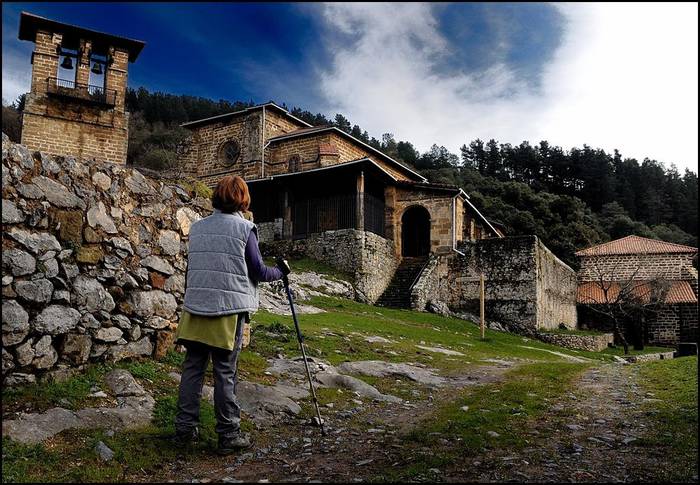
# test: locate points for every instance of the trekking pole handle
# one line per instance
(283, 266)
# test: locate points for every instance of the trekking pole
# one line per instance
(284, 267)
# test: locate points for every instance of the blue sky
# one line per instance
(429, 73)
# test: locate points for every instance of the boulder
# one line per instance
(122, 243)
(15, 323)
(138, 184)
(19, 262)
(70, 225)
(157, 322)
(158, 264)
(76, 348)
(36, 243)
(101, 180)
(56, 320)
(89, 295)
(108, 334)
(8, 362)
(122, 383)
(156, 302)
(18, 379)
(10, 213)
(45, 354)
(143, 347)
(97, 217)
(24, 353)
(176, 284)
(48, 165)
(169, 242)
(37, 291)
(150, 210)
(57, 193)
(50, 268)
(185, 217)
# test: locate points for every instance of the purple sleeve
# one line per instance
(256, 268)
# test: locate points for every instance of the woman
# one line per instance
(224, 266)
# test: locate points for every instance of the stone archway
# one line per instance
(415, 232)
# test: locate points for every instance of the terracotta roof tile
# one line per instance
(636, 245)
(591, 292)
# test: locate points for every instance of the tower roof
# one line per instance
(29, 24)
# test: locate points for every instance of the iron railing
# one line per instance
(340, 212)
(83, 92)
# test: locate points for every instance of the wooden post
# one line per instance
(360, 209)
(481, 305)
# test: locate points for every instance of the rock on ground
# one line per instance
(134, 409)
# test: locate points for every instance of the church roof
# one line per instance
(222, 117)
(636, 245)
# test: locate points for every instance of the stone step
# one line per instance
(397, 293)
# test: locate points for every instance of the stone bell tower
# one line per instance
(76, 102)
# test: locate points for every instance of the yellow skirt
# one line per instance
(215, 331)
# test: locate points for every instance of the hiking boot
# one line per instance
(229, 444)
(186, 437)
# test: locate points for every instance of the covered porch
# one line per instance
(346, 196)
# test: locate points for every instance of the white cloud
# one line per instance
(625, 76)
(16, 74)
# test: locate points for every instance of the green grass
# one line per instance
(620, 351)
(70, 394)
(336, 335)
(503, 408)
(675, 415)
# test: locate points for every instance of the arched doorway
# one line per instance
(415, 232)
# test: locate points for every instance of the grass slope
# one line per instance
(337, 335)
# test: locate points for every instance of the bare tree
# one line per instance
(627, 299)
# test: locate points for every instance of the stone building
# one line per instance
(76, 102)
(306, 180)
(639, 264)
(320, 192)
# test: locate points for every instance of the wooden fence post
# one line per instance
(481, 305)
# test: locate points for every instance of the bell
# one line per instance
(67, 63)
(96, 68)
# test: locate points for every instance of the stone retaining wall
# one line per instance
(93, 262)
(369, 258)
(527, 288)
(592, 343)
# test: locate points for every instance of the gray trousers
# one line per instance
(225, 364)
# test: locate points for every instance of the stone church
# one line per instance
(305, 179)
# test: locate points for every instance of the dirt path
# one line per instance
(591, 435)
(359, 442)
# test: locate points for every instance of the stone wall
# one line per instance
(526, 287)
(369, 258)
(622, 267)
(57, 126)
(592, 343)
(556, 303)
(93, 262)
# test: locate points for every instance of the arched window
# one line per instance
(294, 164)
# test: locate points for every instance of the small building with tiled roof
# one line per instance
(638, 264)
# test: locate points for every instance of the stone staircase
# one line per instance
(397, 294)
